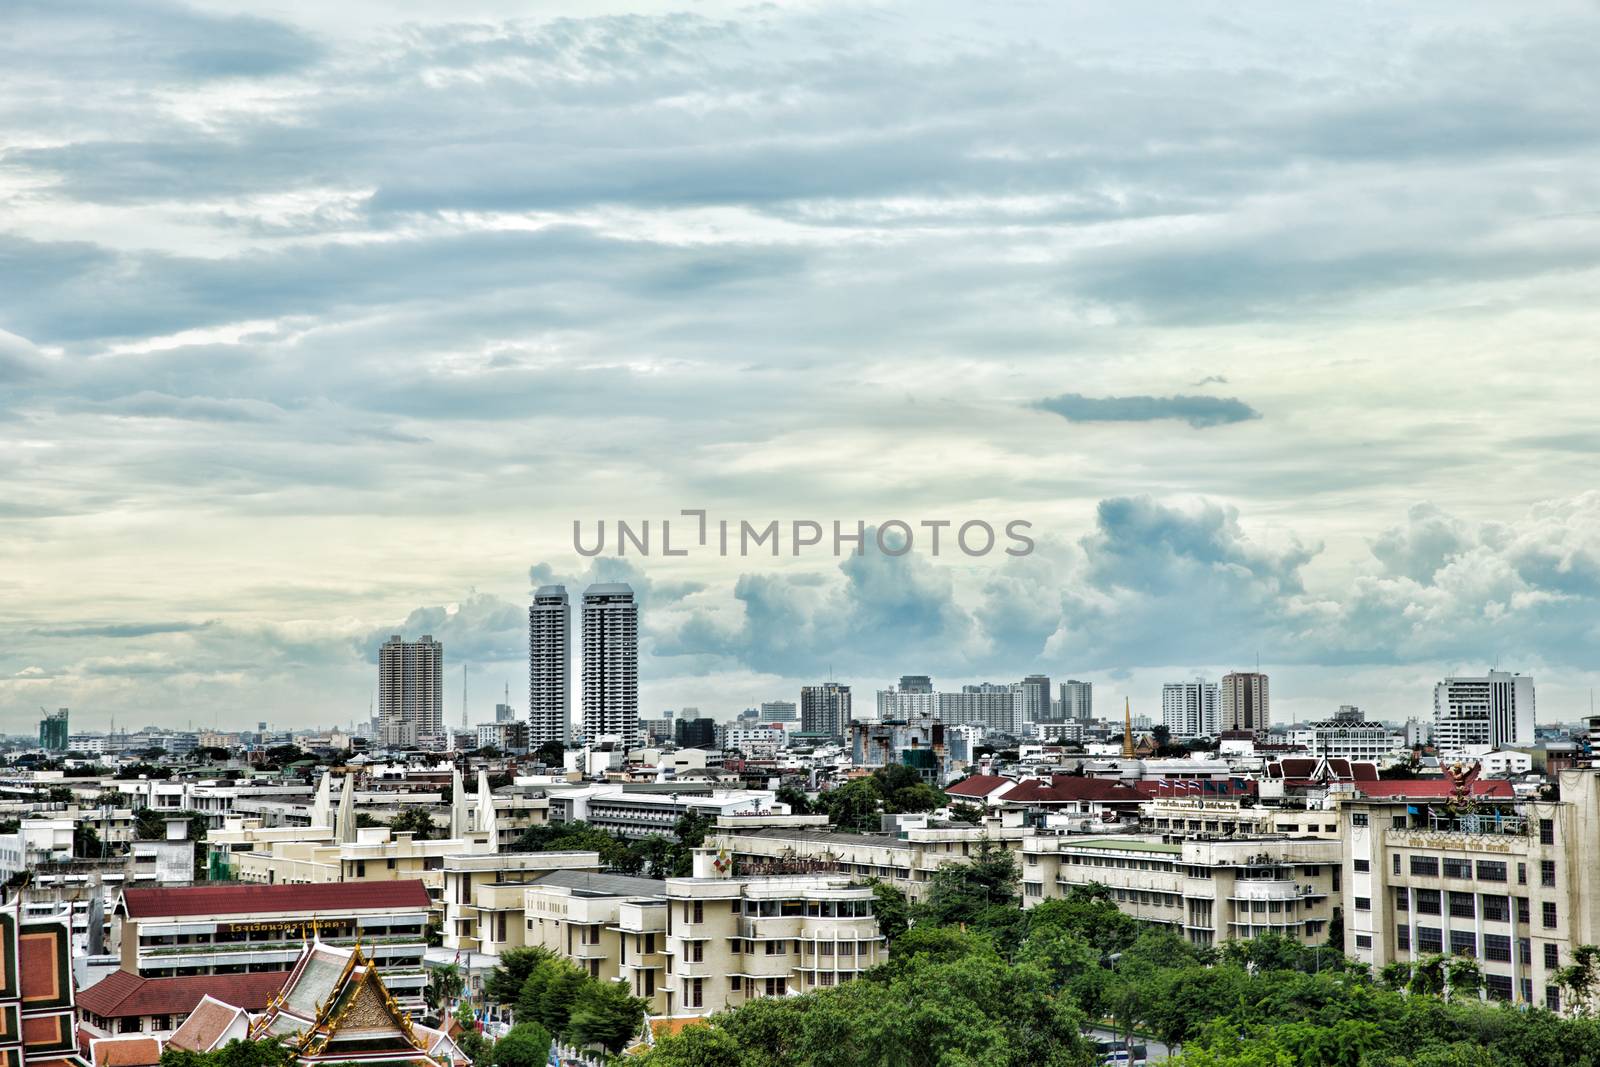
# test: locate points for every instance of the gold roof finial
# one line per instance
(1127, 729)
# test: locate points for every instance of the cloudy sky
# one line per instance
(321, 321)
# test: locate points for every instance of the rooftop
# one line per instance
(582, 883)
(121, 994)
(260, 901)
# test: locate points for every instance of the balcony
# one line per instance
(1280, 889)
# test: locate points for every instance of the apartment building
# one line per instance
(906, 859)
(1510, 882)
(730, 940)
(483, 901)
(239, 929)
(637, 811)
(1210, 891)
(615, 927)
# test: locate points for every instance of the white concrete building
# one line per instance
(1189, 709)
(1496, 709)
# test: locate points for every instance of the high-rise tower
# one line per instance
(549, 666)
(610, 664)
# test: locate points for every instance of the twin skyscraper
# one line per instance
(610, 658)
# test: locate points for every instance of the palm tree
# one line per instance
(445, 986)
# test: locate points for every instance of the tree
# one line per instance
(889, 905)
(795, 797)
(283, 755)
(86, 842)
(605, 1014)
(967, 813)
(1463, 977)
(1577, 980)
(551, 754)
(236, 1053)
(548, 994)
(504, 984)
(961, 892)
(525, 1045)
(415, 821)
(445, 985)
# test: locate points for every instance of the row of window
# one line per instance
(1464, 906)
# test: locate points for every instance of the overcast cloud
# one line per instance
(320, 322)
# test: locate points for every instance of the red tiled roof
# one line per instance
(264, 900)
(121, 993)
(125, 1052)
(979, 785)
(205, 1026)
(1067, 789)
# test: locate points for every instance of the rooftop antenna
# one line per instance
(464, 696)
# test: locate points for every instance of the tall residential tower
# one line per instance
(1246, 704)
(610, 664)
(410, 690)
(549, 666)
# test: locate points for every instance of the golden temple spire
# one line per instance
(1127, 729)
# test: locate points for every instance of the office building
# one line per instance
(410, 690)
(1189, 709)
(1077, 701)
(1495, 710)
(549, 666)
(1508, 881)
(1246, 705)
(1350, 736)
(779, 711)
(1036, 699)
(696, 733)
(610, 664)
(916, 683)
(53, 732)
(825, 710)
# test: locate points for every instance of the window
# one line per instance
(735, 982)
(775, 948)
(1397, 863)
(1362, 866)
(697, 951)
(1496, 909)
(1498, 986)
(1552, 956)
(1525, 951)
(1547, 831)
(1363, 903)
(1428, 901)
(1522, 910)
(1358, 818)
(694, 992)
(1463, 943)
(1402, 899)
(1430, 939)
(1491, 871)
(1454, 868)
(1363, 941)
(1552, 998)
(649, 942)
(1426, 866)
(775, 987)
(1402, 936)
(1522, 874)
(734, 946)
(1547, 872)
(1548, 908)
(1461, 905)
(1497, 947)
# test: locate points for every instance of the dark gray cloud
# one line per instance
(1198, 411)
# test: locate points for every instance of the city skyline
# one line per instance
(1266, 349)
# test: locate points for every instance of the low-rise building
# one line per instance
(239, 929)
(1208, 891)
(730, 940)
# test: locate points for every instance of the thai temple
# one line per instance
(36, 992)
(333, 1009)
